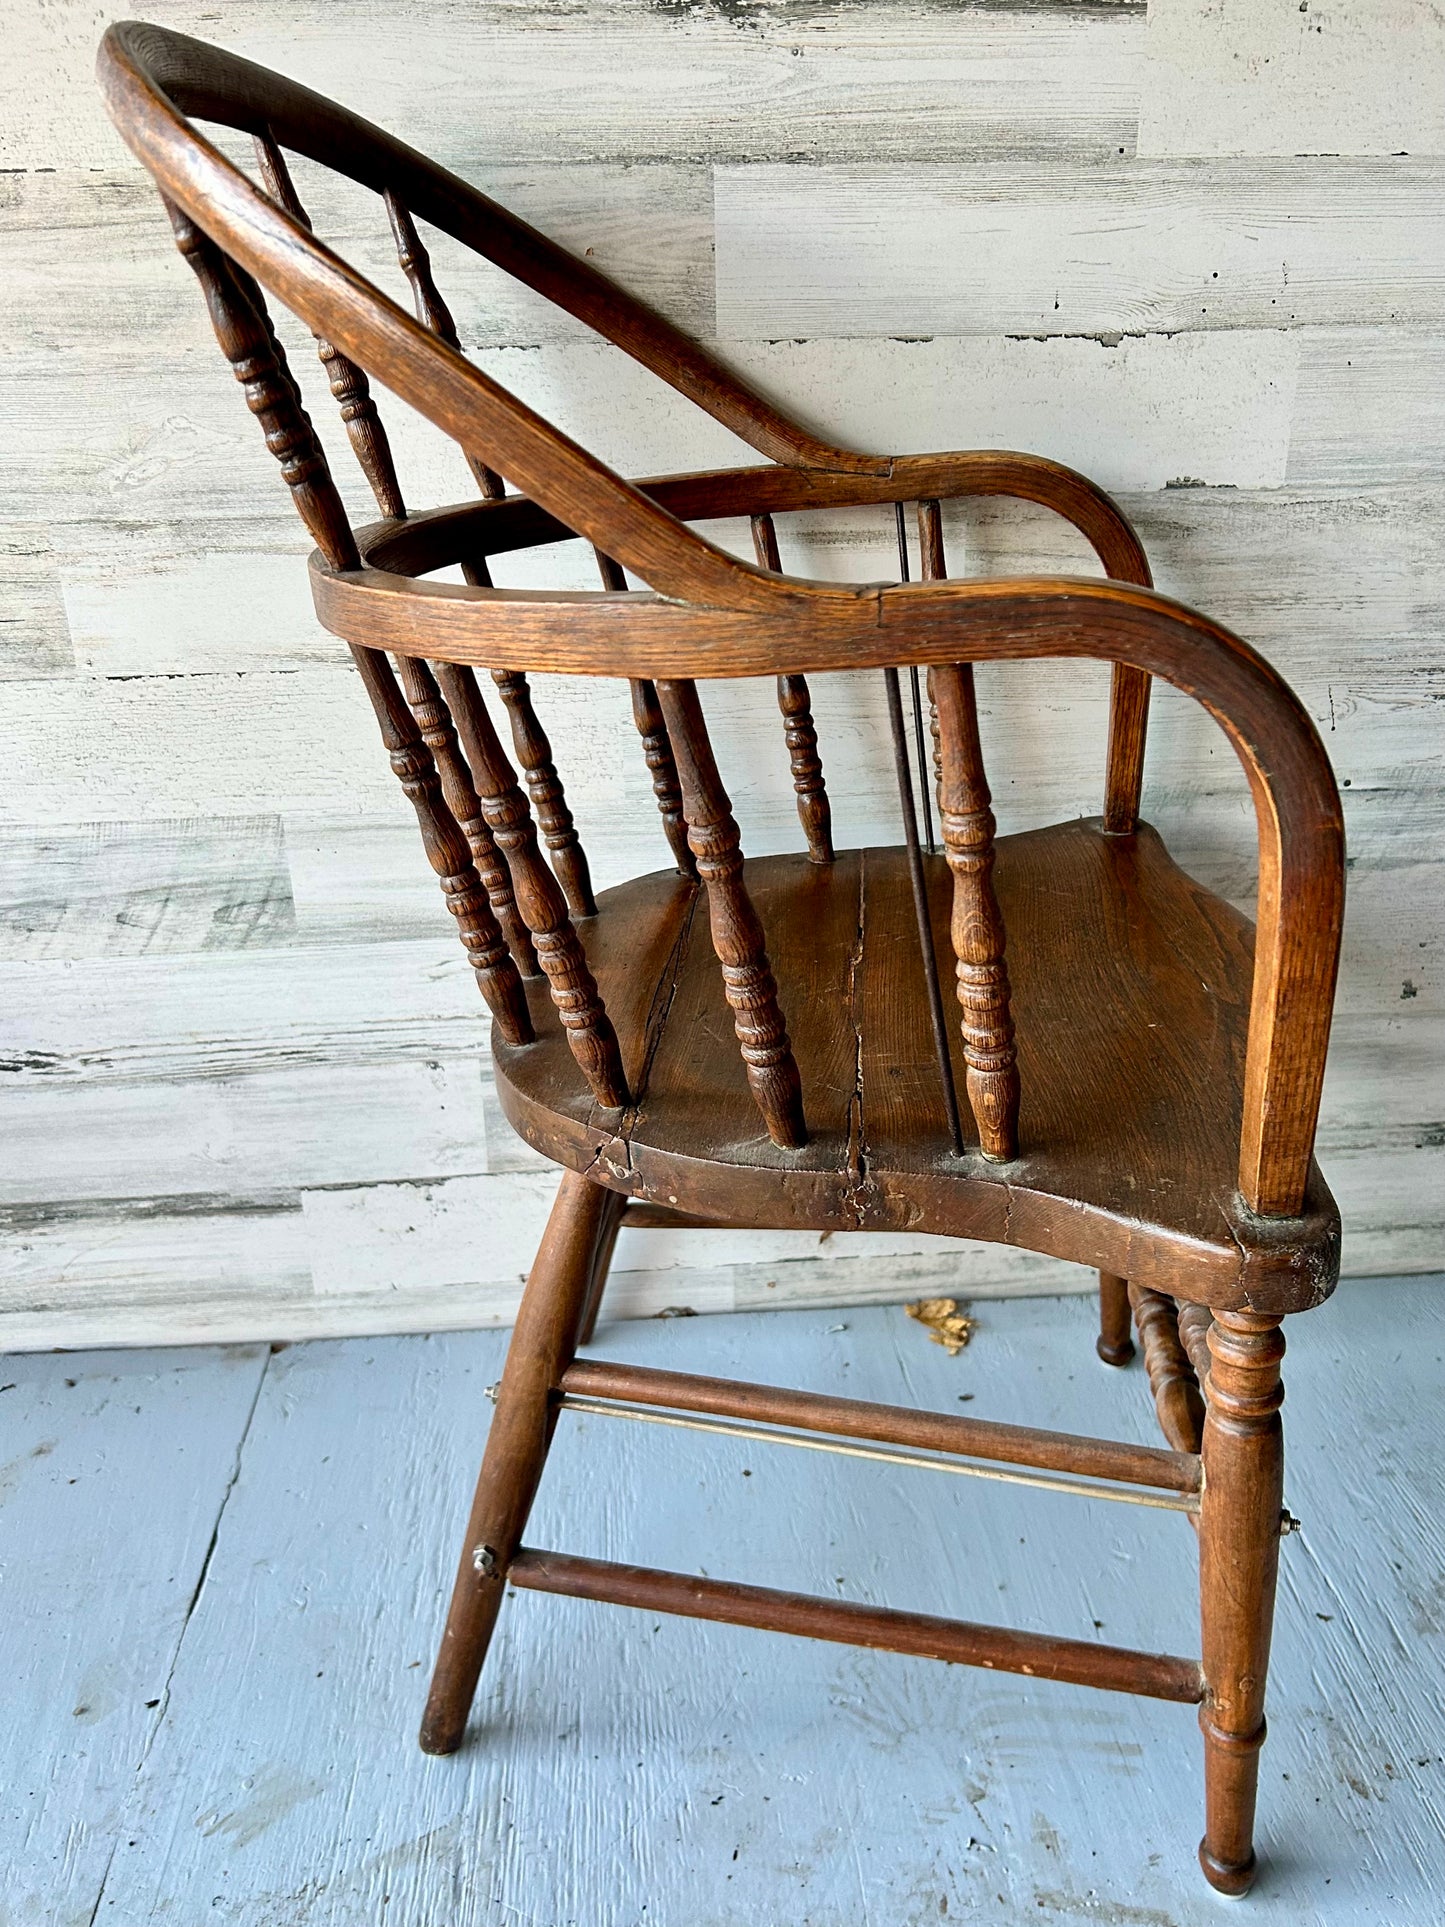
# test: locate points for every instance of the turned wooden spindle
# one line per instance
(249, 343)
(438, 732)
(590, 1034)
(432, 312)
(348, 383)
(1194, 1323)
(447, 849)
(1177, 1399)
(544, 786)
(656, 749)
(737, 932)
(243, 329)
(1240, 1519)
(991, 1075)
(814, 811)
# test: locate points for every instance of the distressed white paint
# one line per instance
(526, 80)
(244, 1066)
(1012, 249)
(1293, 77)
(628, 1766)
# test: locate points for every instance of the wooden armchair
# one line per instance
(1141, 1071)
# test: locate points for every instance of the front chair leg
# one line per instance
(543, 1343)
(1239, 1528)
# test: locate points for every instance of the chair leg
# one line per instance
(1239, 1527)
(1114, 1344)
(542, 1347)
(601, 1265)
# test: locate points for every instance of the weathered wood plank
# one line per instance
(265, 1069)
(1301, 79)
(1369, 410)
(1008, 248)
(115, 1471)
(285, 1766)
(523, 84)
(648, 227)
(133, 889)
(34, 638)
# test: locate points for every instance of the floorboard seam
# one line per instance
(165, 1692)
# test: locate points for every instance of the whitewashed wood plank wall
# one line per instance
(1198, 251)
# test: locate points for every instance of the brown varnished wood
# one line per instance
(247, 340)
(545, 1338)
(967, 827)
(259, 364)
(1194, 1323)
(1114, 1345)
(851, 1418)
(586, 1025)
(737, 933)
(799, 731)
(1155, 1111)
(544, 786)
(966, 824)
(1239, 1529)
(175, 75)
(348, 383)
(447, 849)
(996, 1648)
(647, 715)
(433, 313)
(1128, 1162)
(438, 732)
(1177, 1399)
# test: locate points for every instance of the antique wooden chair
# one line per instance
(1153, 1116)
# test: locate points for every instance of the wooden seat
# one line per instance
(1129, 1138)
(1132, 1073)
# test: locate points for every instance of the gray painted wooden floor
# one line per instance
(223, 1573)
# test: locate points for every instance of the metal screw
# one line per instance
(484, 1561)
(1288, 1523)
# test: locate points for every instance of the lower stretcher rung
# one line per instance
(1040, 1655)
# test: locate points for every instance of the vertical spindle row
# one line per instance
(590, 1033)
(347, 382)
(438, 732)
(447, 848)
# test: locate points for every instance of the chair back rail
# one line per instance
(706, 612)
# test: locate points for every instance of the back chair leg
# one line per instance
(543, 1343)
(1239, 1530)
(1114, 1345)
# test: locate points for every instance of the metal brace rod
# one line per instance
(1082, 1488)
